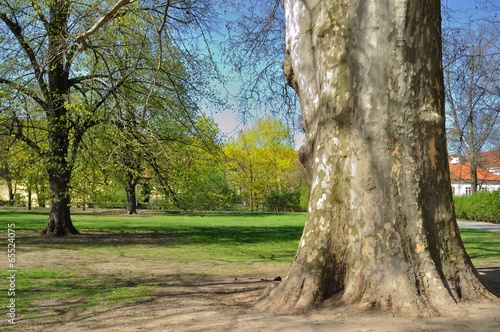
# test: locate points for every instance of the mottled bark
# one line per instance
(381, 230)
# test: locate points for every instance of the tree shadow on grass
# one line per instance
(86, 296)
(189, 235)
(97, 239)
(198, 303)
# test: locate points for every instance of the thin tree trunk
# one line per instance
(473, 151)
(10, 190)
(473, 155)
(40, 196)
(131, 193)
(29, 199)
(473, 175)
(381, 230)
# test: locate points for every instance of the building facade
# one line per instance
(488, 175)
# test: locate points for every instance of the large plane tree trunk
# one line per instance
(381, 230)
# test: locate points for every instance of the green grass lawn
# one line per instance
(256, 236)
(122, 259)
(195, 237)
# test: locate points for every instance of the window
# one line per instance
(468, 191)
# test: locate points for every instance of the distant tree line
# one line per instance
(256, 171)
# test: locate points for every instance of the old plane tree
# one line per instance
(381, 230)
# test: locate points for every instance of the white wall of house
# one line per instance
(464, 187)
(4, 192)
(18, 190)
(494, 170)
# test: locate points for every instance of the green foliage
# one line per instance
(25, 171)
(283, 201)
(482, 206)
(261, 162)
(187, 170)
(209, 191)
(304, 196)
(110, 196)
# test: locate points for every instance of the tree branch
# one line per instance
(81, 39)
(26, 92)
(80, 79)
(17, 31)
(40, 14)
(16, 129)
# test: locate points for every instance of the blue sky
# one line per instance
(228, 120)
(460, 4)
(467, 8)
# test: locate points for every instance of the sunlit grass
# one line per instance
(482, 247)
(209, 244)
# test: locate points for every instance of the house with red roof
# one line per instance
(488, 176)
(490, 160)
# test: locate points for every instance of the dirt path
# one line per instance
(482, 226)
(185, 299)
(224, 304)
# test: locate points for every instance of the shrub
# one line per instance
(482, 206)
(283, 201)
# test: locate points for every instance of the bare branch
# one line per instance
(80, 79)
(17, 31)
(40, 14)
(81, 39)
(26, 92)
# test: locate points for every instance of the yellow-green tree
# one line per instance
(258, 161)
(196, 170)
(23, 172)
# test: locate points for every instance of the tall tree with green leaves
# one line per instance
(61, 60)
(42, 48)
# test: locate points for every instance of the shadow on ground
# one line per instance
(491, 278)
(189, 235)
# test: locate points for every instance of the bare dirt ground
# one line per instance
(187, 300)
